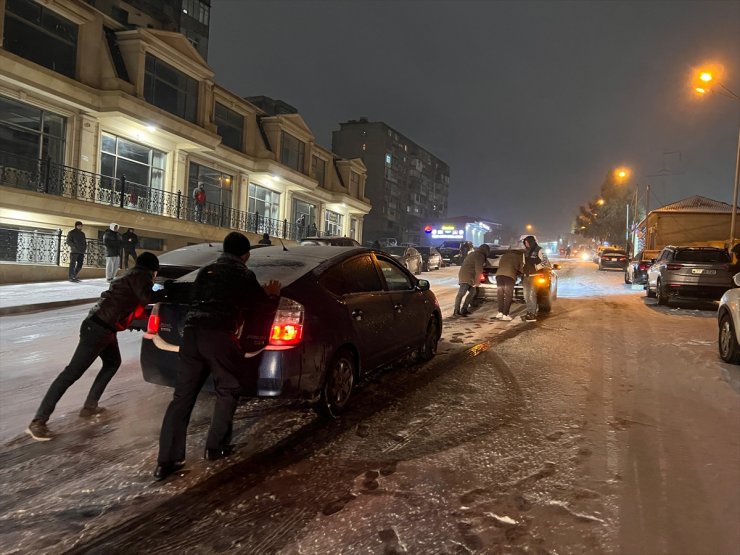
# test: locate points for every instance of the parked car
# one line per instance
(546, 281)
(689, 273)
(613, 258)
(450, 251)
(636, 270)
(330, 241)
(728, 319)
(408, 257)
(431, 259)
(342, 313)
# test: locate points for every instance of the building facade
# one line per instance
(101, 122)
(406, 184)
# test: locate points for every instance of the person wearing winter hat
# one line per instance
(77, 244)
(117, 307)
(534, 260)
(113, 242)
(223, 293)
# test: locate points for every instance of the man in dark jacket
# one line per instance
(468, 278)
(130, 242)
(77, 244)
(116, 309)
(112, 243)
(223, 293)
(534, 260)
(265, 239)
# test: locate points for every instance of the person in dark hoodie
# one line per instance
(534, 260)
(77, 244)
(113, 243)
(224, 292)
(124, 300)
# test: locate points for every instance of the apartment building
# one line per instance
(407, 185)
(102, 121)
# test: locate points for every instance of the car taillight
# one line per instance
(643, 266)
(287, 327)
(674, 266)
(622, 258)
(483, 278)
(152, 325)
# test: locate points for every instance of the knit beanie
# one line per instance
(148, 260)
(236, 243)
(113, 227)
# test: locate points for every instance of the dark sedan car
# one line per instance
(430, 257)
(343, 312)
(408, 257)
(613, 258)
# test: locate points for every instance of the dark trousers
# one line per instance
(471, 291)
(126, 254)
(95, 341)
(505, 293)
(75, 264)
(202, 352)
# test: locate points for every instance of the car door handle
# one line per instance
(398, 307)
(357, 314)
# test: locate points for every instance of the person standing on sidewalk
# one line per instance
(510, 265)
(223, 293)
(130, 242)
(77, 243)
(469, 277)
(534, 260)
(116, 309)
(265, 240)
(112, 243)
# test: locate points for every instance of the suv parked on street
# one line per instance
(689, 273)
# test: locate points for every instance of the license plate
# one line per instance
(703, 271)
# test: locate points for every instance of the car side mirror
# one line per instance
(736, 279)
(423, 285)
(556, 266)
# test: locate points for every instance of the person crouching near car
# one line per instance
(534, 260)
(118, 306)
(469, 277)
(510, 265)
(224, 292)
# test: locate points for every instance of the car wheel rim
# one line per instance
(341, 382)
(725, 337)
(431, 344)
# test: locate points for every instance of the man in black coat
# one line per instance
(118, 306)
(130, 242)
(77, 244)
(223, 293)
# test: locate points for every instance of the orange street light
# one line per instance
(529, 227)
(600, 202)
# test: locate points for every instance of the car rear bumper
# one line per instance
(278, 371)
(615, 265)
(708, 292)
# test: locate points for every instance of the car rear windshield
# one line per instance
(193, 255)
(613, 251)
(424, 250)
(703, 256)
(400, 251)
(450, 245)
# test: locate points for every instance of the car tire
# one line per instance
(627, 279)
(339, 380)
(431, 340)
(662, 297)
(425, 267)
(600, 268)
(544, 303)
(649, 292)
(729, 350)
(418, 269)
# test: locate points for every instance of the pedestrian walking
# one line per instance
(199, 197)
(468, 279)
(567, 251)
(223, 293)
(510, 265)
(265, 239)
(534, 260)
(118, 306)
(130, 242)
(112, 242)
(77, 243)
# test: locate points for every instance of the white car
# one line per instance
(728, 317)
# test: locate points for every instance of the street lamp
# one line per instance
(707, 78)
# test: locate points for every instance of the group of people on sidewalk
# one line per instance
(223, 294)
(114, 243)
(512, 263)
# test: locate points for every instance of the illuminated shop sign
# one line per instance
(447, 232)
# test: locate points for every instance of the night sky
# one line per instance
(530, 103)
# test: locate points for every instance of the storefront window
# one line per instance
(333, 223)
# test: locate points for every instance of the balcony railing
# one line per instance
(32, 246)
(47, 177)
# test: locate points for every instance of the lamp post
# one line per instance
(705, 85)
